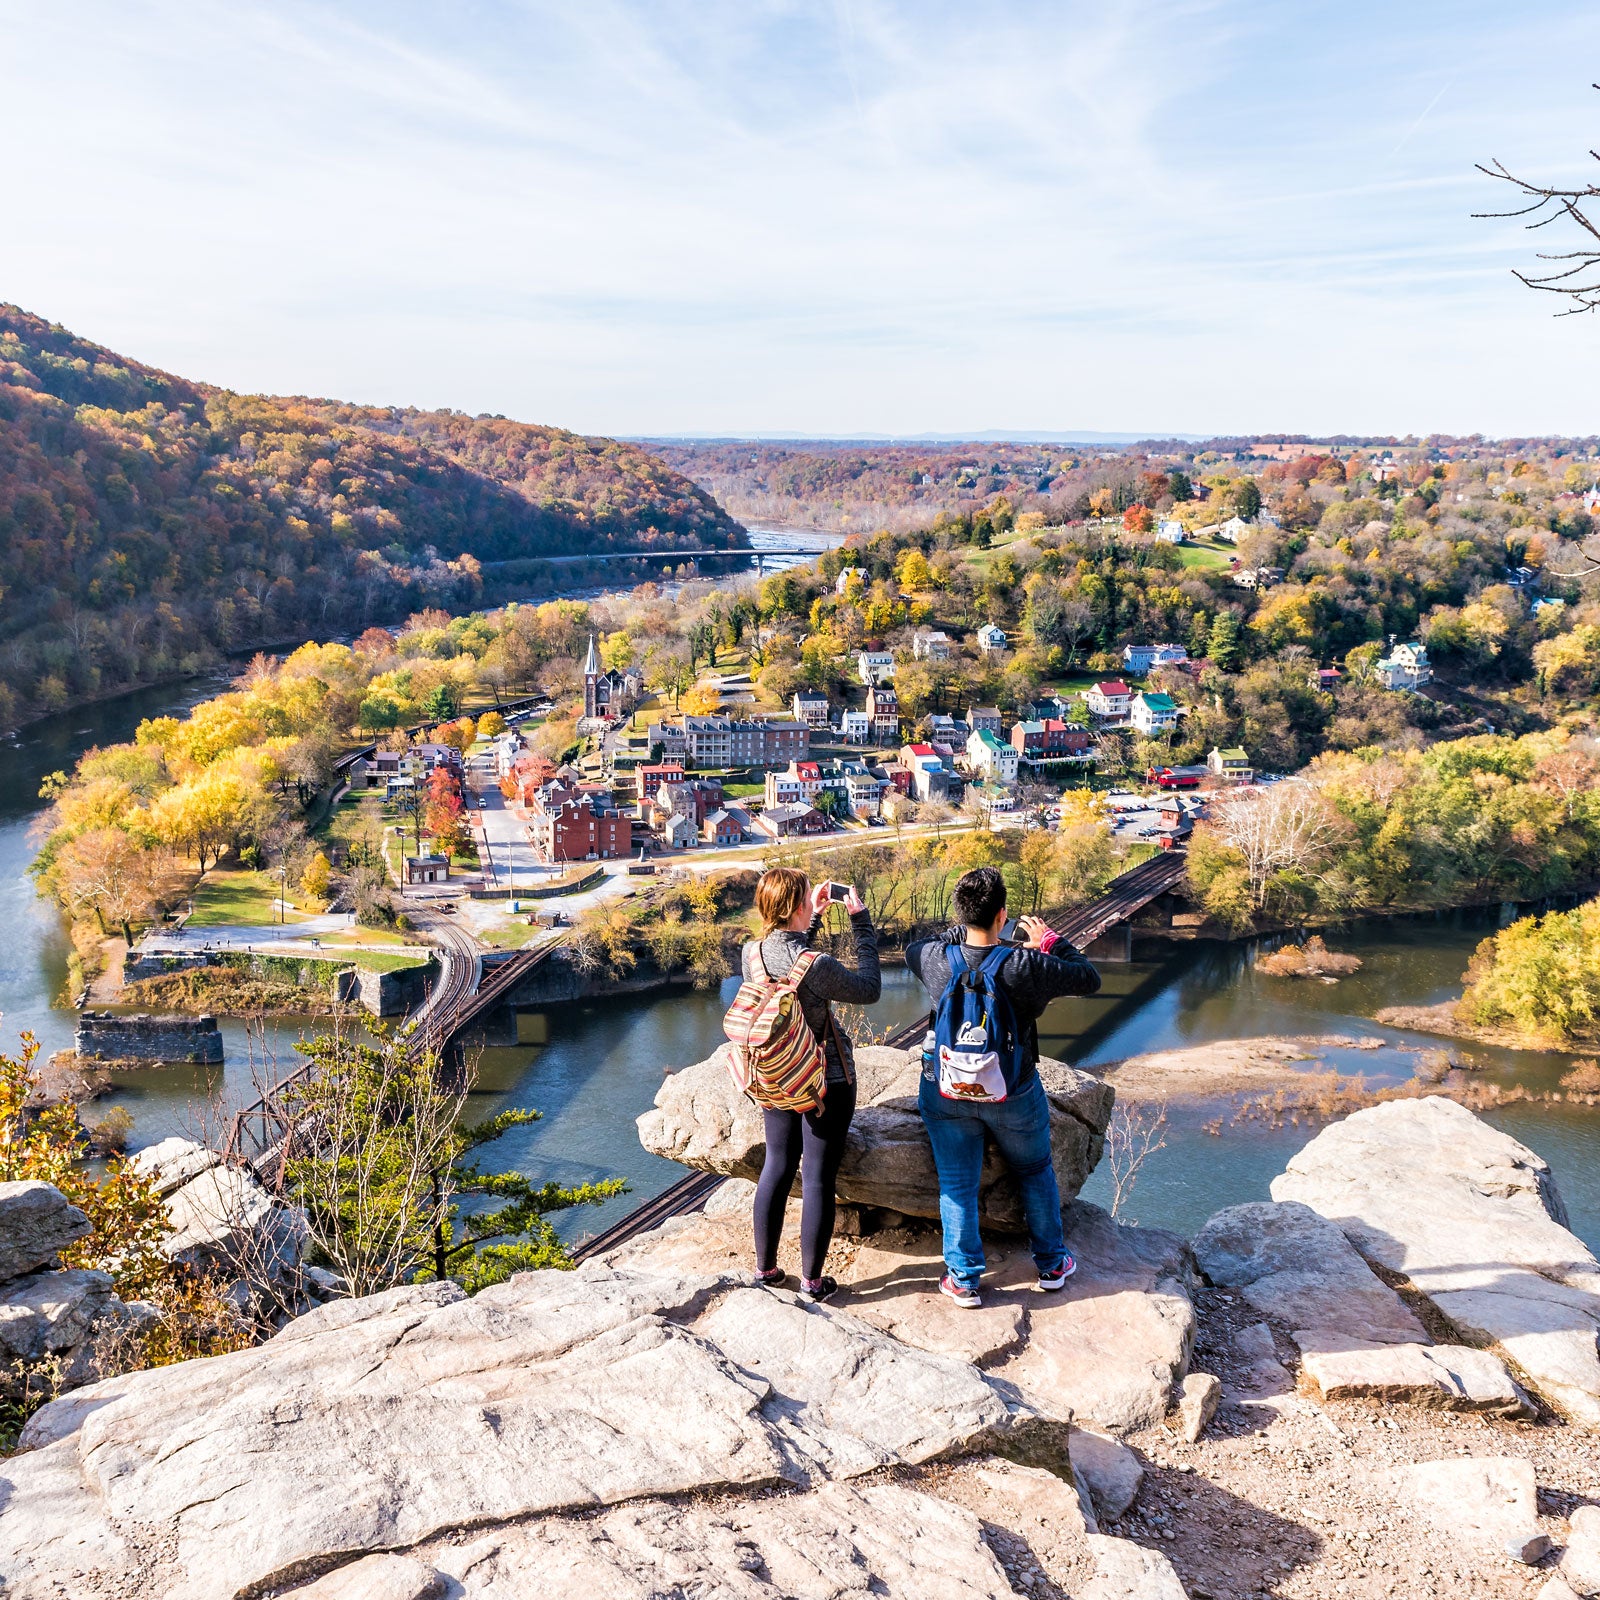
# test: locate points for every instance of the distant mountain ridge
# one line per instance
(149, 523)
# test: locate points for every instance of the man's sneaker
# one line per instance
(1050, 1281)
(964, 1297)
(816, 1290)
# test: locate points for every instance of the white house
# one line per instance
(875, 666)
(1154, 713)
(842, 582)
(989, 754)
(1170, 531)
(991, 639)
(1405, 667)
(1143, 658)
(1234, 529)
(1110, 699)
(810, 708)
(930, 644)
(1256, 577)
(855, 727)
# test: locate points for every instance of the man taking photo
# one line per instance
(980, 1072)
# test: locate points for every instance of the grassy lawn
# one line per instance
(386, 960)
(223, 899)
(1205, 555)
(742, 791)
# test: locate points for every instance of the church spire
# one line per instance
(591, 662)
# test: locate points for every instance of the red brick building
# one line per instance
(567, 826)
(648, 779)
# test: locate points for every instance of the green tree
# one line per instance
(1179, 486)
(1246, 497)
(387, 1161)
(441, 705)
(1223, 646)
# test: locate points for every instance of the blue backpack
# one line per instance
(982, 1056)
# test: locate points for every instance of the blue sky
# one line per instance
(673, 217)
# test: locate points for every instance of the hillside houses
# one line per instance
(991, 640)
(1153, 713)
(1405, 667)
(875, 666)
(1142, 659)
(1109, 700)
(989, 755)
(930, 644)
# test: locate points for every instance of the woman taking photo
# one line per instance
(811, 1142)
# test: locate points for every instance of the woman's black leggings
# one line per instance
(812, 1144)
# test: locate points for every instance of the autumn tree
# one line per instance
(112, 874)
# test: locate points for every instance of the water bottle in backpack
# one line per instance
(981, 1055)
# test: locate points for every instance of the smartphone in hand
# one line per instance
(838, 891)
(1013, 933)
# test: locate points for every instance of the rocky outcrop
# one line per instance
(106, 1036)
(68, 1316)
(1357, 1338)
(1110, 1347)
(220, 1220)
(558, 1410)
(37, 1222)
(1473, 1220)
(701, 1120)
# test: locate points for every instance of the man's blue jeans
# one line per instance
(1020, 1127)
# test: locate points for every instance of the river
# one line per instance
(602, 1062)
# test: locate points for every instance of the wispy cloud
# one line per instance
(648, 215)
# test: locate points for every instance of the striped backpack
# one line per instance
(775, 1057)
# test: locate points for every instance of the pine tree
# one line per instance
(1224, 645)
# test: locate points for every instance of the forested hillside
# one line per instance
(149, 524)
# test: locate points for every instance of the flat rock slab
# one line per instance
(173, 1162)
(1111, 1345)
(1357, 1337)
(1473, 1219)
(701, 1120)
(1298, 1268)
(372, 1425)
(893, 1283)
(1449, 1377)
(223, 1220)
(36, 1221)
(835, 1541)
(1484, 1501)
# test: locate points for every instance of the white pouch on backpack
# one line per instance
(970, 1070)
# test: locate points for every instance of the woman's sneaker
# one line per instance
(1050, 1281)
(816, 1290)
(964, 1297)
(772, 1278)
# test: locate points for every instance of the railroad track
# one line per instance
(687, 1194)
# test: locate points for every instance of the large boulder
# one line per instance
(223, 1221)
(378, 1424)
(36, 1221)
(1473, 1220)
(701, 1120)
(171, 1163)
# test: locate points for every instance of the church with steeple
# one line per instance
(608, 695)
